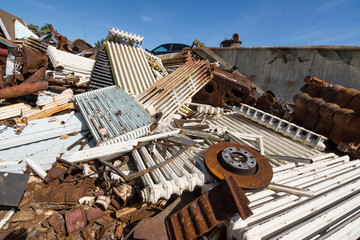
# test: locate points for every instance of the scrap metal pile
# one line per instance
(113, 145)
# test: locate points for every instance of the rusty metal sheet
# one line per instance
(33, 60)
(226, 88)
(249, 168)
(64, 193)
(209, 210)
(12, 187)
(39, 75)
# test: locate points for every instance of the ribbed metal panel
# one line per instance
(102, 74)
(277, 215)
(131, 70)
(169, 93)
(112, 115)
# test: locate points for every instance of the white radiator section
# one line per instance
(124, 38)
(70, 62)
(130, 67)
(174, 178)
(169, 93)
(282, 126)
(277, 215)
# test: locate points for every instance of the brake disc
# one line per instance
(249, 168)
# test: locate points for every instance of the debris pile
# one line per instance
(115, 143)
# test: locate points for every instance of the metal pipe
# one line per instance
(291, 190)
(291, 159)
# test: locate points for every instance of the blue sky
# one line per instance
(259, 22)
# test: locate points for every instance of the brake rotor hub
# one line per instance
(238, 160)
(248, 167)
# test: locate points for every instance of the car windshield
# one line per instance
(163, 48)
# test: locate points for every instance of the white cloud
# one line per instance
(330, 5)
(108, 26)
(145, 18)
(36, 3)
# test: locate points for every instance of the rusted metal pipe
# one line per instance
(265, 100)
(23, 89)
(4, 52)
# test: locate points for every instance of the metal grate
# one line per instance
(112, 115)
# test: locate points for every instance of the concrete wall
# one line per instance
(283, 69)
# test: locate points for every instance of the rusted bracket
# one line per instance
(217, 58)
(209, 210)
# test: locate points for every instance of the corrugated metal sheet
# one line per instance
(283, 69)
(277, 215)
(169, 93)
(112, 115)
(102, 74)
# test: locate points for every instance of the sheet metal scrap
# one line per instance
(209, 210)
(64, 193)
(331, 110)
(12, 187)
(169, 93)
(248, 167)
(113, 116)
(226, 89)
